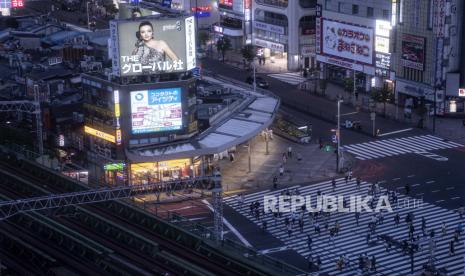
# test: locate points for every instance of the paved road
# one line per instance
(352, 239)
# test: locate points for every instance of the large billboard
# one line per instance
(413, 51)
(156, 110)
(153, 45)
(347, 41)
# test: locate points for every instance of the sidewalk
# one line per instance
(315, 164)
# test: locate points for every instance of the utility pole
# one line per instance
(88, 17)
(267, 135)
(434, 109)
(249, 157)
(217, 198)
(338, 134)
(254, 77)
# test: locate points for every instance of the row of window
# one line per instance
(305, 4)
(354, 9)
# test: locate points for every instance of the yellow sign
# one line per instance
(99, 134)
(117, 112)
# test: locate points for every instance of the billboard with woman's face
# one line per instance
(152, 46)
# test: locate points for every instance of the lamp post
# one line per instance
(338, 134)
(88, 17)
(254, 76)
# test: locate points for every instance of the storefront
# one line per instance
(143, 173)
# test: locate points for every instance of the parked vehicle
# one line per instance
(262, 83)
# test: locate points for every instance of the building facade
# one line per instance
(354, 41)
(285, 29)
(427, 61)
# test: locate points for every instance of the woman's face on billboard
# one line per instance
(146, 32)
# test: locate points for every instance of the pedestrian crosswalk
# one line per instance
(291, 78)
(352, 242)
(398, 146)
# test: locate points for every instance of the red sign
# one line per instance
(17, 4)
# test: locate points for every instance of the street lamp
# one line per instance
(338, 134)
(88, 17)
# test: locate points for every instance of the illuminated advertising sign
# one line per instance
(347, 41)
(156, 110)
(153, 46)
(413, 51)
(7, 4)
(382, 44)
(383, 28)
(383, 60)
(461, 92)
(226, 4)
(99, 134)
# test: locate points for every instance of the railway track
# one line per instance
(129, 241)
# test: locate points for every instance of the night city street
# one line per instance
(232, 137)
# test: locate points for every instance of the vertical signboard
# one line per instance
(117, 116)
(114, 46)
(190, 43)
(439, 17)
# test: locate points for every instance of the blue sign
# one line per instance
(196, 71)
(334, 138)
(164, 96)
(166, 3)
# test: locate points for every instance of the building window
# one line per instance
(370, 11)
(327, 4)
(413, 74)
(386, 14)
(354, 9)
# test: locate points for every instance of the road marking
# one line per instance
(229, 225)
(382, 181)
(456, 197)
(435, 191)
(450, 188)
(394, 132)
(429, 182)
(414, 185)
(399, 188)
(395, 179)
(420, 194)
(410, 176)
(273, 250)
(438, 201)
(350, 113)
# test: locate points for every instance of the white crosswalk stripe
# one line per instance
(398, 146)
(291, 78)
(351, 240)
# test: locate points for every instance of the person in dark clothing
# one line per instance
(309, 242)
(373, 263)
(407, 189)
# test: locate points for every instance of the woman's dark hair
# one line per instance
(143, 23)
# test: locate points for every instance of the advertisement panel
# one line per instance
(347, 41)
(99, 134)
(268, 27)
(383, 60)
(413, 51)
(382, 44)
(156, 110)
(270, 45)
(226, 4)
(153, 46)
